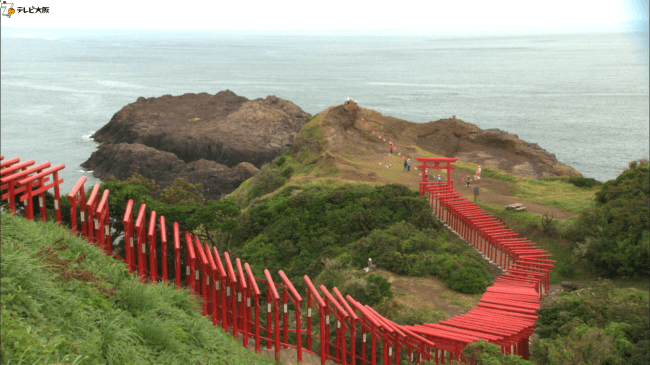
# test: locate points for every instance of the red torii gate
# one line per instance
(436, 165)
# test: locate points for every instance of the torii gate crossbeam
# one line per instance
(436, 165)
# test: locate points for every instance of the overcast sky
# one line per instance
(447, 16)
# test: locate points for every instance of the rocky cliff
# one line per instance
(221, 140)
(218, 140)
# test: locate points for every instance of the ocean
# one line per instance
(583, 97)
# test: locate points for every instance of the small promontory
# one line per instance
(353, 130)
(199, 137)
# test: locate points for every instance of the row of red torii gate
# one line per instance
(264, 313)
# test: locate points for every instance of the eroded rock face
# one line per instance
(123, 159)
(196, 132)
(492, 148)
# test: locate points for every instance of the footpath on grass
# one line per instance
(380, 159)
(384, 168)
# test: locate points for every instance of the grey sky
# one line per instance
(445, 16)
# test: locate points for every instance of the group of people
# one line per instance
(407, 167)
(407, 163)
(435, 179)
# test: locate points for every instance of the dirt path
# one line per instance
(372, 166)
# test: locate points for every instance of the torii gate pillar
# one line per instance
(436, 165)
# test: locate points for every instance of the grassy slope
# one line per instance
(64, 301)
(361, 164)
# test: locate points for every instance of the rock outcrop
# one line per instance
(348, 127)
(219, 140)
(492, 148)
(123, 159)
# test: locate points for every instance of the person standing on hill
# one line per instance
(405, 166)
(478, 173)
(408, 165)
(390, 149)
(439, 178)
(468, 181)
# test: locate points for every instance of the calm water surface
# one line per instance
(583, 97)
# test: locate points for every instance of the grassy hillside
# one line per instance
(318, 158)
(299, 227)
(65, 302)
(334, 199)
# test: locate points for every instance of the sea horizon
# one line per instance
(582, 97)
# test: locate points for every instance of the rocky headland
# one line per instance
(349, 127)
(218, 140)
(222, 140)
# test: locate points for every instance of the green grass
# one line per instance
(393, 172)
(498, 174)
(462, 302)
(64, 301)
(515, 220)
(556, 193)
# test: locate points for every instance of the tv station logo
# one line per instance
(8, 9)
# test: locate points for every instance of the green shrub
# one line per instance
(582, 182)
(597, 325)
(411, 316)
(405, 250)
(365, 288)
(268, 180)
(287, 172)
(296, 229)
(612, 236)
(51, 213)
(638, 163)
(582, 345)
(377, 289)
(255, 192)
(484, 353)
(182, 192)
(630, 184)
(280, 160)
(469, 280)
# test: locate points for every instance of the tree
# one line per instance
(182, 192)
(214, 217)
(612, 236)
(136, 187)
(600, 324)
(484, 353)
(181, 202)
